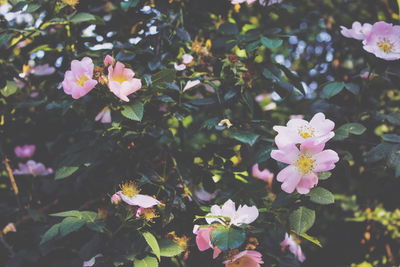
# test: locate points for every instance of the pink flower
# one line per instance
(358, 31)
(294, 248)
(108, 60)
(204, 196)
(296, 116)
(25, 151)
(78, 81)
(304, 164)
(187, 59)
(42, 70)
(264, 175)
(116, 199)
(384, 41)
(243, 215)
(121, 81)
(296, 131)
(203, 239)
(246, 258)
(104, 115)
(92, 261)
(179, 67)
(130, 195)
(33, 168)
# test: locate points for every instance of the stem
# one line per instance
(10, 174)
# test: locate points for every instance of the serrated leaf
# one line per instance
(10, 89)
(393, 138)
(301, 219)
(152, 242)
(227, 238)
(51, 233)
(65, 171)
(321, 196)
(352, 87)
(69, 213)
(70, 224)
(331, 89)
(133, 112)
(244, 136)
(169, 248)
(345, 130)
(271, 43)
(164, 76)
(146, 262)
(82, 17)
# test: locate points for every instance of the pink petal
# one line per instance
(290, 177)
(322, 124)
(287, 154)
(306, 183)
(325, 160)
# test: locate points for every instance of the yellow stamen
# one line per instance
(385, 45)
(119, 79)
(306, 131)
(149, 214)
(81, 81)
(180, 241)
(129, 189)
(305, 163)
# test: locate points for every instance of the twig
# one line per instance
(10, 174)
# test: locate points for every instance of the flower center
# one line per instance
(129, 189)
(385, 45)
(81, 81)
(305, 163)
(306, 131)
(119, 79)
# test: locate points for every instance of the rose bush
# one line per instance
(199, 133)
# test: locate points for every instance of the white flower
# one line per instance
(243, 215)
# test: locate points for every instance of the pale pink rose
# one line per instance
(203, 239)
(25, 151)
(296, 116)
(246, 258)
(78, 81)
(264, 175)
(121, 81)
(32, 168)
(243, 215)
(294, 248)
(205, 196)
(296, 131)
(92, 261)
(104, 115)
(179, 67)
(42, 70)
(187, 59)
(358, 31)
(384, 41)
(304, 164)
(139, 200)
(116, 199)
(108, 60)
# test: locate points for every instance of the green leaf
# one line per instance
(311, 239)
(379, 152)
(146, 262)
(244, 136)
(10, 89)
(321, 196)
(352, 87)
(324, 175)
(125, 5)
(70, 224)
(152, 242)
(301, 219)
(271, 43)
(70, 213)
(51, 233)
(133, 112)
(227, 238)
(32, 7)
(345, 130)
(331, 89)
(5, 38)
(159, 79)
(229, 28)
(82, 17)
(65, 172)
(169, 248)
(393, 138)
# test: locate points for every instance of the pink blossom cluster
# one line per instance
(381, 39)
(79, 81)
(301, 145)
(228, 215)
(31, 167)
